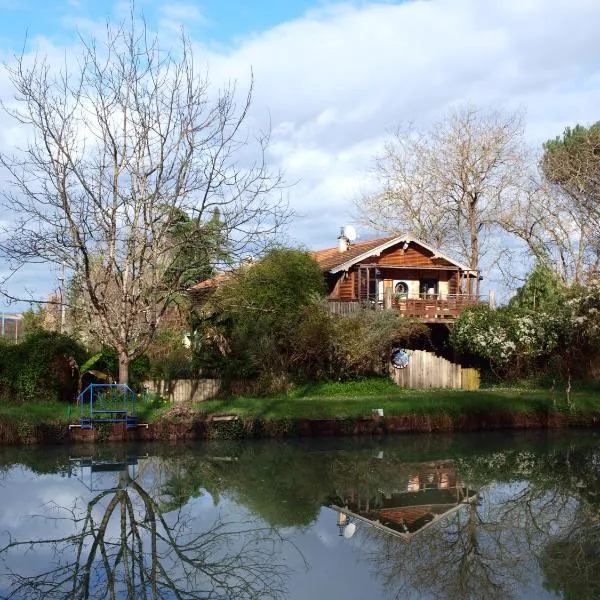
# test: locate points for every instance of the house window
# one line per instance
(428, 288)
(401, 290)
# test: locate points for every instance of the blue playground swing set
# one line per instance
(107, 403)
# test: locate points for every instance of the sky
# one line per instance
(333, 79)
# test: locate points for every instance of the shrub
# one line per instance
(251, 326)
(548, 330)
(362, 342)
(42, 367)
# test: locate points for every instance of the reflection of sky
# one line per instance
(336, 567)
(332, 572)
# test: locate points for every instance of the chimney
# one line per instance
(343, 242)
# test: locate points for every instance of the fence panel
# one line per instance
(470, 379)
(185, 390)
(427, 370)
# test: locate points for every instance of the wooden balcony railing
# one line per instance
(430, 307)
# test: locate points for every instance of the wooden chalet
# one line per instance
(398, 272)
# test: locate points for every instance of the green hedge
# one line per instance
(41, 368)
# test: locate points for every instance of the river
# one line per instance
(503, 515)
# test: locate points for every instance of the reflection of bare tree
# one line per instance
(457, 558)
(125, 547)
(545, 518)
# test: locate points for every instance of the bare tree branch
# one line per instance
(121, 146)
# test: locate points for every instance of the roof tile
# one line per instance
(330, 258)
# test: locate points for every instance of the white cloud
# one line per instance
(175, 15)
(335, 80)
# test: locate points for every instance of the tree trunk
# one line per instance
(123, 368)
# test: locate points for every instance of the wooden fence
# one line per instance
(185, 390)
(427, 370)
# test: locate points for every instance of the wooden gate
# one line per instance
(427, 370)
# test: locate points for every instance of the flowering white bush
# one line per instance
(585, 314)
(501, 335)
(567, 328)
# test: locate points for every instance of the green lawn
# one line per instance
(341, 400)
(356, 399)
(35, 413)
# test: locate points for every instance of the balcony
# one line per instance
(430, 308)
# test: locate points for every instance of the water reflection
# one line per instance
(122, 543)
(406, 505)
(97, 473)
(420, 517)
(533, 529)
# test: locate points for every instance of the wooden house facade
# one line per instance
(398, 272)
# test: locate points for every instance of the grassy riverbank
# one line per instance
(332, 400)
(358, 399)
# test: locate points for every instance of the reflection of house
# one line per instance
(432, 491)
(400, 271)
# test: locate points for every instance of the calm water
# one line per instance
(470, 516)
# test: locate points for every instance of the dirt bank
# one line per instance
(207, 428)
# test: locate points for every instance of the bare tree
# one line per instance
(560, 232)
(122, 144)
(558, 213)
(450, 184)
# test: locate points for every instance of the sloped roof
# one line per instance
(331, 259)
(215, 281)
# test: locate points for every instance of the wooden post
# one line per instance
(387, 298)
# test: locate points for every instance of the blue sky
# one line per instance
(222, 22)
(334, 78)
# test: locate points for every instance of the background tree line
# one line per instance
(470, 183)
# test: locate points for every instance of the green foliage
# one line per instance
(196, 247)
(169, 358)
(43, 367)
(547, 329)
(108, 363)
(90, 362)
(33, 321)
(542, 291)
(367, 386)
(572, 164)
(507, 334)
(584, 321)
(269, 322)
(250, 328)
(362, 342)
(280, 284)
(567, 156)
(531, 326)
